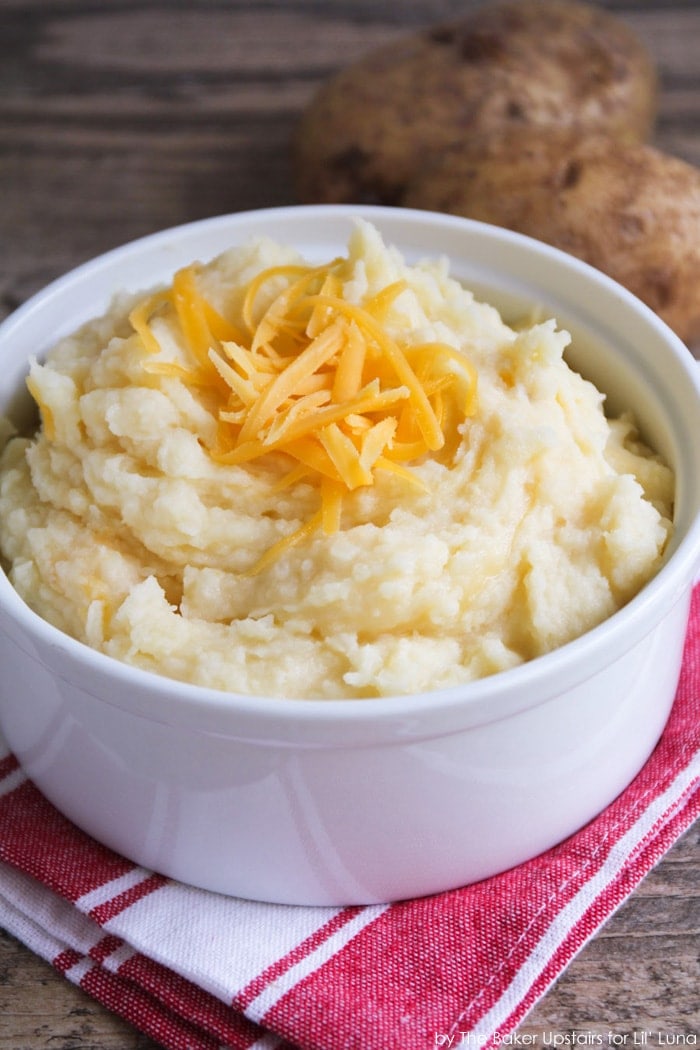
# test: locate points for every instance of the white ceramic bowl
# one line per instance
(352, 801)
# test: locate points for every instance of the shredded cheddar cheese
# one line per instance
(315, 378)
(47, 418)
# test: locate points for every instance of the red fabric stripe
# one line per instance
(37, 839)
(252, 990)
(104, 912)
(105, 947)
(419, 962)
(188, 1000)
(145, 1013)
(601, 910)
(400, 985)
(66, 960)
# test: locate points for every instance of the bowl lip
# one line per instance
(535, 680)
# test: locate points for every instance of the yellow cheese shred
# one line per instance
(48, 421)
(309, 375)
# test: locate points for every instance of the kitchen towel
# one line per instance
(200, 971)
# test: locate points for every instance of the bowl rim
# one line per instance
(526, 685)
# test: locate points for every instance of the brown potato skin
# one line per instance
(629, 209)
(505, 65)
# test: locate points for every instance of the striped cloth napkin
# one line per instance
(199, 971)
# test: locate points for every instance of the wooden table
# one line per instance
(119, 118)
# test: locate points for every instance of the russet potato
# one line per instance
(627, 208)
(503, 66)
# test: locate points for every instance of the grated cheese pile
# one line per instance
(316, 378)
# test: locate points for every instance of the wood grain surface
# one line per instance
(121, 117)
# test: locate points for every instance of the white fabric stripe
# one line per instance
(274, 991)
(12, 781)
(109, 890)
(41, 941)
(220, 943)
(44, 910)
(76, 973)
(664, 806)
(118, 957)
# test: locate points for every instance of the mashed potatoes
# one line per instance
(163, 515)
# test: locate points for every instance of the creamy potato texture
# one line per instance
(126, 523)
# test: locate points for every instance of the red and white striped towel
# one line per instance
(199, 971)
